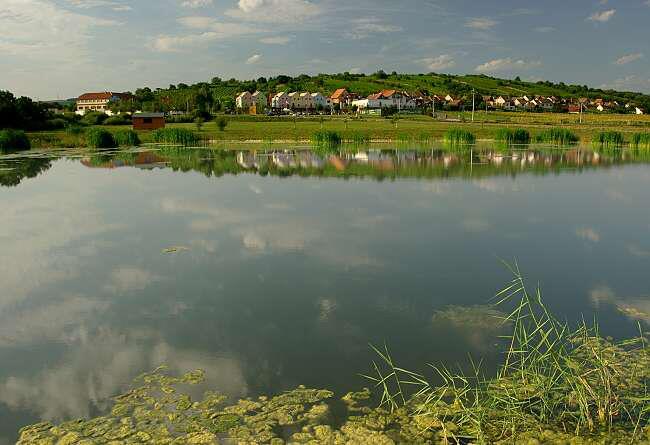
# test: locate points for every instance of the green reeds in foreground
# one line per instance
(555, 378)
(326, 137)
(510, 136)
(557, 136)
(99, 138)
(178, 136)
(609, 139)
(359, 138)
(457, 136)
(13, 140)
(640, 140)
(127, 138)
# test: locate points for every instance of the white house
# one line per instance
(500, 101)
(244, 100)
(280, 101)
(321, 101)
(638, 110)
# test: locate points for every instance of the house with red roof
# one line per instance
(99, 101)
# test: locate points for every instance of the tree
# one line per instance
(381, 74)
(222, 123)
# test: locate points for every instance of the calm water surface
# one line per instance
(271, 269)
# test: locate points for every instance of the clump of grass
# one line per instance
(640, 140)
(179, 136)
(359, 138)
(99, 138)
(557, 136)
(327, 138)
(609, 139)
(553, 377)
(457, 136)
(510, 136)
(127, 138)
(11, 140)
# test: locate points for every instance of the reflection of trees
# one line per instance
(12, 173)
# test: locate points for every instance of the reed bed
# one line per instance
(11, 140)
(640, 141)
(128, 138)
(457, 136)
(512, 136)
(359, 138)
(557, 136)
(178, 136)
(327, 138)
(609, 139)
(569, 381)
(99, 138)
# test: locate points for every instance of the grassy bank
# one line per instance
(557, 385)
(403, 129)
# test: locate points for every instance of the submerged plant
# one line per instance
(557, 136)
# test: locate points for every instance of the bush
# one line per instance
(99, 138)
(74, 130)
(326, 137)
(180, 136)
(459, 136)
(56, 124)
(509, 136)
(13, 140)
(222, 123)
(118, 119)
(557, 136)
(94, 118)
(127, 138)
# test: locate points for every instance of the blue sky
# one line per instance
(61, 48)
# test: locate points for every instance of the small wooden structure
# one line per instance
(148, 121)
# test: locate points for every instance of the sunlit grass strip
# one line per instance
(13, 140)
(557, 136)
(609, 139)
(327, 138)
(553, 376)
(99, 138)
(458, 136)
(179, 136)
(640, 141)
(512, 136)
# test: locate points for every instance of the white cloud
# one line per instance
(588, 234)
(442, 62)
(628, 58)
(276, 40)
(213, 30)
(365, 27)
(629, 83)
(602, 16)
(196, 3)
(481, 23)
(253, 59)
(87, 4)
(507, 64)
(274, 11)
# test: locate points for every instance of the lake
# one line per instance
(270, 268)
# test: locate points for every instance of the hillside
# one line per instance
(219, 93)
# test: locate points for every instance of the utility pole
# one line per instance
(580, 111)
(433, 114)
(473, 103)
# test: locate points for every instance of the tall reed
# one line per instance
(640, 141)
(557, 136)
(510, 136)
(609, 139)
(127, 138)
(458, 136)
(326, 137)
(178, 136)
(99, 138)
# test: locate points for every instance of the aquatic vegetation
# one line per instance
(609, 139)
(359, 138)
(11, 140)
(99, 138)
(510, 136)
(179, 136)
(457, 136)
(556, 382)
(326, 137)
(557, 136)
(127, 138)
(640, 140)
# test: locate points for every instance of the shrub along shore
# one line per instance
(557, 385)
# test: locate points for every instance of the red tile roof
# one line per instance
(338, 94)
(106, 95)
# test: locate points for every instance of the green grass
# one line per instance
(557, 136)
(640, 140)
(459, 136)
(326, 137)
(609, 139)
(553, 377)
(99, 138)
(510, 136)
(11, 140)
(175, 135)
(128, 138)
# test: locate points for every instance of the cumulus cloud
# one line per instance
(602, 16)
(365, 27)
(481, 23)
(507, 64)
(196, 3)
(629, 83)
(441, 62)
(274, 11)
(253, 59)
(213, 30)
(588, 234)
(628, 58)
(87, 4)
